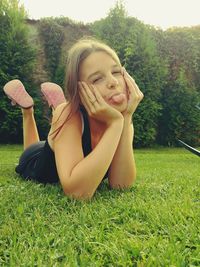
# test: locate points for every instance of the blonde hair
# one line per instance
(76, 54)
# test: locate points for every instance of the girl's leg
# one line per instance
(53, 93)
(15, 91)
(30, 132)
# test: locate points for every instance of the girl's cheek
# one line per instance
(123, 85)
(100, 87)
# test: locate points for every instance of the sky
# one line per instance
(160, 13)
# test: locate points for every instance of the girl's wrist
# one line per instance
(128, 118)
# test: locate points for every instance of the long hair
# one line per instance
(76, 55)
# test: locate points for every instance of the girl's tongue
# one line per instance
(118, 98)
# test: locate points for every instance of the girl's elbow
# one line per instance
(121, 186)
(124, 184)
(78, 194)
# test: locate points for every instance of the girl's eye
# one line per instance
(116, 72)
(96, 80)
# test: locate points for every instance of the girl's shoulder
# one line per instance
(62, 112)
(62, 119)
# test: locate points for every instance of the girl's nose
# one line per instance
(112, 81)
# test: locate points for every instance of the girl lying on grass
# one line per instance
(91, 132)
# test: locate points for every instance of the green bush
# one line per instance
(137, 51)
(164, 64)
(52, 36)
(17, 59)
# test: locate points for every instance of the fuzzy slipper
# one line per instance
(16, 92)
(53, 93)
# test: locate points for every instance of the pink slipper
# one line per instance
(17, 93)
(53, 94)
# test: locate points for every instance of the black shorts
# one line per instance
(28, 161)
(35, 164)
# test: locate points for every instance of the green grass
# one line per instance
(155, 223)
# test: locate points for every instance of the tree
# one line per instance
(52, 36)
(137, 51)
(180, 118)
(17, 62)
(180, 50)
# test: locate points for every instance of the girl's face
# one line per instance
(105, 74)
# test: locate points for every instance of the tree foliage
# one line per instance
(137, 51)
(165, 65)
(179, 48)
(52, 37)
(17, 61)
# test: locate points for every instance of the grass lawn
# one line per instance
(155, 223)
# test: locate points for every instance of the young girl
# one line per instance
(91, 133)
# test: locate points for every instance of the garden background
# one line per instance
(165, 65)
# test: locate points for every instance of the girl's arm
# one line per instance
(81, 176)
(122, 172)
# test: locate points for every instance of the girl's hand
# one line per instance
(96, 106)
(133, 92)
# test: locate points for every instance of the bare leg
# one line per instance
(30, 132)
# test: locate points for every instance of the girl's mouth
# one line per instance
(117, 98)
